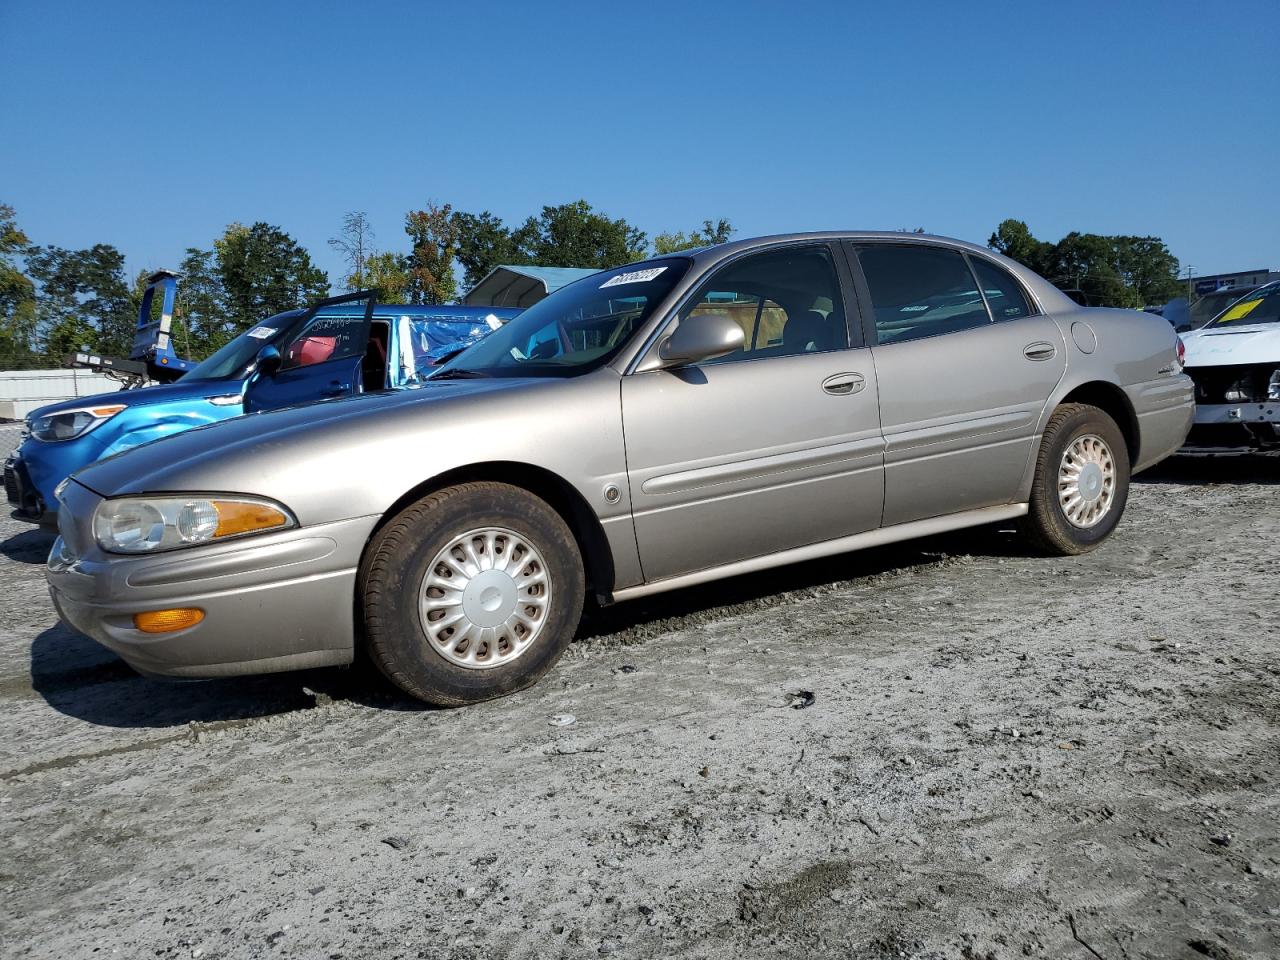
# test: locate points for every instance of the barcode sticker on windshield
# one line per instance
(635, 276)
(261, 333)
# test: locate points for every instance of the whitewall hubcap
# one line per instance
(485, 598)
(1086, 481)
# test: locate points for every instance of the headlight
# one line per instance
(155, 524)
(1273, 385)
(69, 424)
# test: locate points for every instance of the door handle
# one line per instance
(334, 388)
(1040, 350)
(843, 384)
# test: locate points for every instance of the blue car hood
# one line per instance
(145, 396)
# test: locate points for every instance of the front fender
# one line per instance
(149, 424)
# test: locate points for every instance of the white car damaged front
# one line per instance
(1234, 360)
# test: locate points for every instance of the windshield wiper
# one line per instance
(457, 373)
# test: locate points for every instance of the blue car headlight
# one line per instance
(69, 424)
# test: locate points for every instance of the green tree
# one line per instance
(1013, 238)
(17, 294)
(388, 274)
(575, 235)
(433, 234)
(83, 285)
(264, 271)
(201, 302)
(68, 334)
(1148, 269)
(710, 235)
(1111, 271)
(484, 242)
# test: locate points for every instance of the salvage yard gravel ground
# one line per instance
(949, 748)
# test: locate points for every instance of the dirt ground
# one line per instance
(1004, 756)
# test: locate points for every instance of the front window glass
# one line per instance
(578, 328)
(1261, 306)
(326, 337)
(786, 301)
(919, 291)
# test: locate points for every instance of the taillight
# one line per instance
(1182, 351)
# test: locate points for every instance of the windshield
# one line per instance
(578, 328)
(230, 361)
(1260, 306)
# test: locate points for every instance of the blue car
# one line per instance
(341, 346)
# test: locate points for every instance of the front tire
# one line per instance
(1081, 482)
(471, 593)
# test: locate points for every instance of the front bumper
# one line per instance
(1226, 428)
(283, 601)
(22, 494)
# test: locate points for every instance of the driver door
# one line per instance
(320, 359)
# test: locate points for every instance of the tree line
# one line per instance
(54, 301)
(1107, 271)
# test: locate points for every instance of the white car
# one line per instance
(1234, 360)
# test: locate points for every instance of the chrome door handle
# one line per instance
(334, 388)
(1040, 350)
(843, 384)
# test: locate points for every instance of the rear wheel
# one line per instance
(471, 593)
(1081, 481)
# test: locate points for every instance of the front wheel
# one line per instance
(1081, 481)
(471, 593)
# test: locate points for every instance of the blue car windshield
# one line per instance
(232, 360)
(578, 328)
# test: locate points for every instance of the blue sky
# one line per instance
(152, 126)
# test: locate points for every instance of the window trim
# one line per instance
(872, 335)
(844, 281)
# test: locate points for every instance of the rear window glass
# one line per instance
(919, 291)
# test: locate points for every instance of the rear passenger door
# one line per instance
(965, 364)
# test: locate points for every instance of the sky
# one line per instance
(152, 126)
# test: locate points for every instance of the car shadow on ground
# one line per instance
(29, 546)
(82, 679)
(1239, 470)
(708, 598)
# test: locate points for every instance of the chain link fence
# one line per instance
(10, 434)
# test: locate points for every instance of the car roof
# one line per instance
(1050, 296)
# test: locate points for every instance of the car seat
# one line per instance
(807, 332)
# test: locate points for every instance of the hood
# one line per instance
(243, 454)
(166, 393)
(1256, 343)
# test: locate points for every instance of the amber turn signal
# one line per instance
(167, 621)
(237, 516)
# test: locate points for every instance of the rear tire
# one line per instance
(471, 593)
(1081, 482)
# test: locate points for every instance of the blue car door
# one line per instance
(321, 357)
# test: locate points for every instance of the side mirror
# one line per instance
(703, 336)
(268, 361)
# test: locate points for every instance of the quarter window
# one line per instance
(786, 301)
(919, 291)
(1004, 294)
